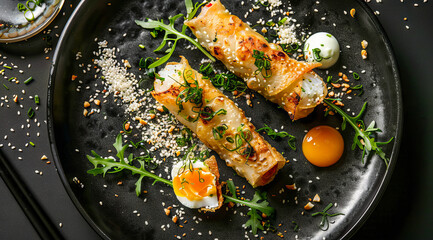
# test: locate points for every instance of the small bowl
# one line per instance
(14, 27)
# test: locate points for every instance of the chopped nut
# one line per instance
(171, 129)
(350, 90)
(44, 157)
(316, 198)
(264, 215)
(86, 104)
(174, 218)
(364, 54)
(73, 77)
(345, 78)
(331, 94)
(85, 112)
(127, 64)
(291, 187)
(364, 44)
(352, 12)
(160, 108)
(97, 102)
(308, 206)
(127, 125)
(338, 103)
(167, 211)
(152, 116)
(264, 30)
(345, 85)
(336, 85)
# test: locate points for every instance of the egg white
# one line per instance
(206, 202)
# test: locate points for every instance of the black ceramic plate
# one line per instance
(353, 186)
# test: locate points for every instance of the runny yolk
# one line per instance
(323, 146)
(194, 185)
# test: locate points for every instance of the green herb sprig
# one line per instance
(171, 34)
(256, 205)
(102, 166)
(263, 64)
(228, 81)
(271, 133)
(324, 224)
(363, 136)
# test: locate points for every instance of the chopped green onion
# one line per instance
(37, 100)
(6, 87)
(32, 144)
(12, 78)
(6, 66)
(28, 80)
(316, 55)
(282, 21)
(31, 113)
(141, 46)
(355, 76)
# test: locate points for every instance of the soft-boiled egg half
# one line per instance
(323, 146)
(195, 185)
(322, 47)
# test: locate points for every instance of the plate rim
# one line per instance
(369, 207)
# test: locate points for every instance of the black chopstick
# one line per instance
(38, 218)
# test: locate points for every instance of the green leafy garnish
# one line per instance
(186, 137)
(316, 55)
(324, 224)
(228, 81)
(263, 64)
(271, 133)
(171, 34)
(109, 165)
(290, 48)
(358, 87)
(363, 136)
(256, 205)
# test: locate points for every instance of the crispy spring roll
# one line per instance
(291, 84)
(217, 122)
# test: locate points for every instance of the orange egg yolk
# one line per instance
(194, 185)
(323, 146)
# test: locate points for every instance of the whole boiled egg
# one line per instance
(196, 184)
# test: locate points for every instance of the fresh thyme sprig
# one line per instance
(256, 205)
(363, 136)
(171, 34)
(110, 165)
(324, 224)
(271, 133)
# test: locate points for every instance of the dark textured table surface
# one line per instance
(404, 212)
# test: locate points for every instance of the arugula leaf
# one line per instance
(109, 165)
(258, 203)
(255, 221)
(363, 137)
(170, 31)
